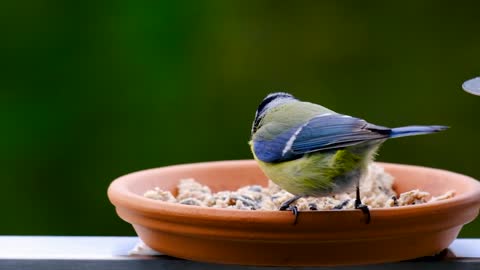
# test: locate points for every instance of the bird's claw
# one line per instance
(294, 210)
(287, 206)
(365, 211)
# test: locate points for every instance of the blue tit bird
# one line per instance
(309, 150)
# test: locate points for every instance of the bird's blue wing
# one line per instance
(335, 131)
(271, 150)
(321, 133)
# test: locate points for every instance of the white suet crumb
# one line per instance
(189, 188)
(376, 189)
(158, 194)
(449, 194)
(413, 197)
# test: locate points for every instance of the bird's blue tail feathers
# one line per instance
(415, 130)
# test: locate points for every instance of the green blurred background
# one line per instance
(91, 91)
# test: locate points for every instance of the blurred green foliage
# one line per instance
(94, 90)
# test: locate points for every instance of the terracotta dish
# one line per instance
(270, 238)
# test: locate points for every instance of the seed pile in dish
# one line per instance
(376, 191)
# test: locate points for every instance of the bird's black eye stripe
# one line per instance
(263, 106)
(264, 103)
(269, 99)
(260, 109)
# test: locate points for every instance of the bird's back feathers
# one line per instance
(320, 133)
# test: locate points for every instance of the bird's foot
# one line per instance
(364, 208)
(294, 210)
(361, 206)
(287, 206)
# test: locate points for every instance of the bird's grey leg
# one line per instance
(361, 206)
(286, 206)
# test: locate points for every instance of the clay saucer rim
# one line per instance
(121, 196)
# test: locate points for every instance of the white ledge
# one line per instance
(84, 252)
(66, 247)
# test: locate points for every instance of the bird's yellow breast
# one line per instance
(316, 174)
